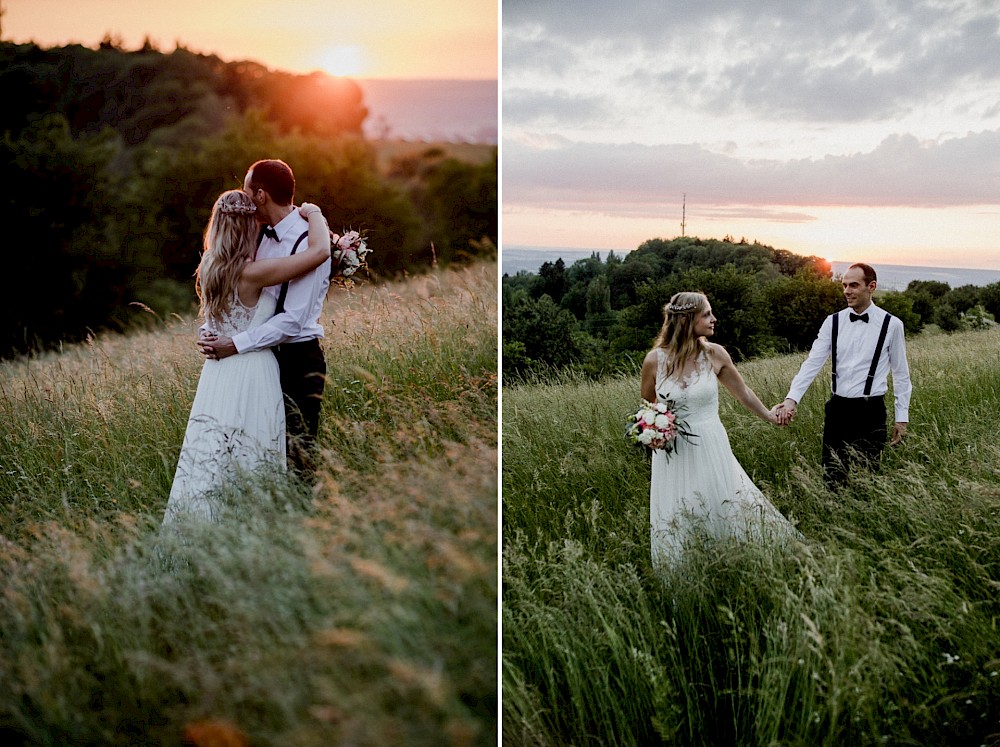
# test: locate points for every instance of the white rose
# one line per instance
(662, 422)
(649, 417)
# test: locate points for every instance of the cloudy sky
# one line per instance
(866, 130)
(455, 39)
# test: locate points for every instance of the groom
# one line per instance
(294, 332)
(866, 343)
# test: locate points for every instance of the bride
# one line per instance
(237, 421)
(701, 487)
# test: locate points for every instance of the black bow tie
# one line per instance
(854, 317)
(270, 233)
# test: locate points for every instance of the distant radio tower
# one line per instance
(684, 214)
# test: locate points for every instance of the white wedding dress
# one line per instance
(237, 422)
(701, 489)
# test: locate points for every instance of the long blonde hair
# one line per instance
(677, 336)
(230, 240)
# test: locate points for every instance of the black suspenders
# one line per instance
(284, 286)
(878, 352)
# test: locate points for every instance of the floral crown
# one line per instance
(235, 208)
(680, 308)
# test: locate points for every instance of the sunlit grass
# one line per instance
(881, 629)
(360, 609)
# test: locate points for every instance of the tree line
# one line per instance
(111, 159)
(600, 317)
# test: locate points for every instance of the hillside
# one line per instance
(360, 609)
(879, 628)
(147, 94)
(118, 155)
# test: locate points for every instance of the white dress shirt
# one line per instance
(856, 343)
(303, 303)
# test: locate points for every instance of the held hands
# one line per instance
(777, 416)
(784, 413)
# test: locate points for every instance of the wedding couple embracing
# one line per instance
(699, 486)
(263, 277)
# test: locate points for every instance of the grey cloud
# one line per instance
(808, 61)
(527, 54)
(901, 171)
(764, 214)
(551, 109)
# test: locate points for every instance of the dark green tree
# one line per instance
(963, 297)
(991, 299)
(71, 273)
(798, 306)
(626, 278)
(740, 306)
(900, 305)
(546, 333)
(947, 317)
(460, 200)
(551, 280)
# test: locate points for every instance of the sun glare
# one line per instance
(343, 60)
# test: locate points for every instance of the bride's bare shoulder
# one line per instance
(717, 354)
(712, 349)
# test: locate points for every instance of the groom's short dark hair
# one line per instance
(867, 270)
(274, 177)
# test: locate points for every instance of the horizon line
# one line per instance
(179, 44)
(530, 247)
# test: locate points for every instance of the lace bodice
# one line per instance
(239, 318)
(697, 394)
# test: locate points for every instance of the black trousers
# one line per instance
(854, 435)
(303, 377)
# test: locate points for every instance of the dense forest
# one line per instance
(111, 159)
(600, 316)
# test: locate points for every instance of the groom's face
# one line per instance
(256, 197)
(857, 293)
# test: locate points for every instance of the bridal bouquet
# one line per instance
(657, 425)
(349, 254)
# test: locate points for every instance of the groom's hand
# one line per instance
(898, 431)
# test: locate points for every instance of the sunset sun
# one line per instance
(342, 60)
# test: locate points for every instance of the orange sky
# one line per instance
(363, 38)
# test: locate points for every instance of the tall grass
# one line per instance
(357, 609)
(881, 629)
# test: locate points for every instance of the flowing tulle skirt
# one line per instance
(236, 429)
(701, 489)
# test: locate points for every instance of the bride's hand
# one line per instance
(308, 208)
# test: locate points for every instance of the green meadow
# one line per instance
(356, 609)
(882, 629)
